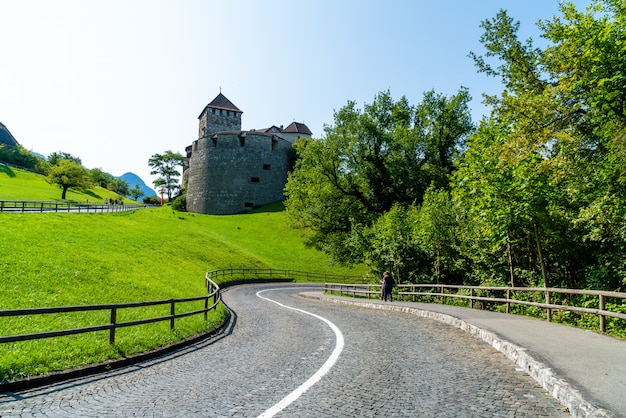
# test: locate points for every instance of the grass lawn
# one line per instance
(56, 259)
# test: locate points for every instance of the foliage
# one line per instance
(58, 156)
(370, 161)
(19, 156)
(180, 203)
(16, 184)
(166, 166)
(119, 186)
(135, 192)
(69, 173)
(100, 177)
(540, 183)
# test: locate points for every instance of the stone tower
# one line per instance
(219, 116)
(228, 170)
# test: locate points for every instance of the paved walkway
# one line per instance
(584, 370)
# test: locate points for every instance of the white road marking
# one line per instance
(287, 400)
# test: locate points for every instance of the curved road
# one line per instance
(286, 356)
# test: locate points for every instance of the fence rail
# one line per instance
(21, 206)
(510, 296)
(211, 300)
(236, 274)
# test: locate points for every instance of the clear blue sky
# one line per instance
(115, 81)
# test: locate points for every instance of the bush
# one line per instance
(151, 200)
(180, 203)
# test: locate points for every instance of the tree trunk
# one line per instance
(64, 192)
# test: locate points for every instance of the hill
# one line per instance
(55, 259)
(16, 184)
(132, 179)
(5, 136)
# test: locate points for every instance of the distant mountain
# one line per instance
(5, 136)
(133, 179)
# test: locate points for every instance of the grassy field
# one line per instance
(75, 259)
(18, 184)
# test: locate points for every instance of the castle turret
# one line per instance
(219, 116)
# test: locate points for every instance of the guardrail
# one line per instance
(22, 206)
(232, 275)
(527, 296)
(114, 308)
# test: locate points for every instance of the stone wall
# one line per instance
(234, 172)
(218, 120)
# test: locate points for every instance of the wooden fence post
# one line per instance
(172, 313)
(113, 322)
(548, 310)
(602, 318)
(508, 298)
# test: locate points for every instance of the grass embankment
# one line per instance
(16, 184)
(76, 259)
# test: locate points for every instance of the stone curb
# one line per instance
(540, 372)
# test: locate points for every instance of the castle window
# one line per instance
(254, 179)
(214, 139)
(220, 112)
(213, 111)
(274, 142)
(248, 205)
(267, 167)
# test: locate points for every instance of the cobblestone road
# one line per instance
(392, 365)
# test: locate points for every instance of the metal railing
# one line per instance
(21, 206)
(231, 275)
(211, 300)
(527, 296)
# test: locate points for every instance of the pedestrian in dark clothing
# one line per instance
(387, 286)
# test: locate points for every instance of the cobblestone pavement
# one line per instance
(392, 365)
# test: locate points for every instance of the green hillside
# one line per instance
(55, 259)
(16, 184)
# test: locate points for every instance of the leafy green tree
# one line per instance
(119, 186)
(558, 148)
(69, 174)
(166, 166)
(100, 177)
(21, 157)
(135, 192)
(387, 154)
(434, 232)
(57, 156)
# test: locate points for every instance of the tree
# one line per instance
(68, 173)
(57, 156)
(165, 165)
(100, 177)
(554, 203)
(370, 160)
(135, 192)
(119, 186)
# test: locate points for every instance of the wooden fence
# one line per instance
(21, 206)
(551, 298)
(211, 300)
(235, 275)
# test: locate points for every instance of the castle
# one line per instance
(228, 170)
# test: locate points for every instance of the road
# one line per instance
(285, 356)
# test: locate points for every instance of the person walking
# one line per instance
(387, 286)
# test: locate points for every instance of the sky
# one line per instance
(115, 81)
